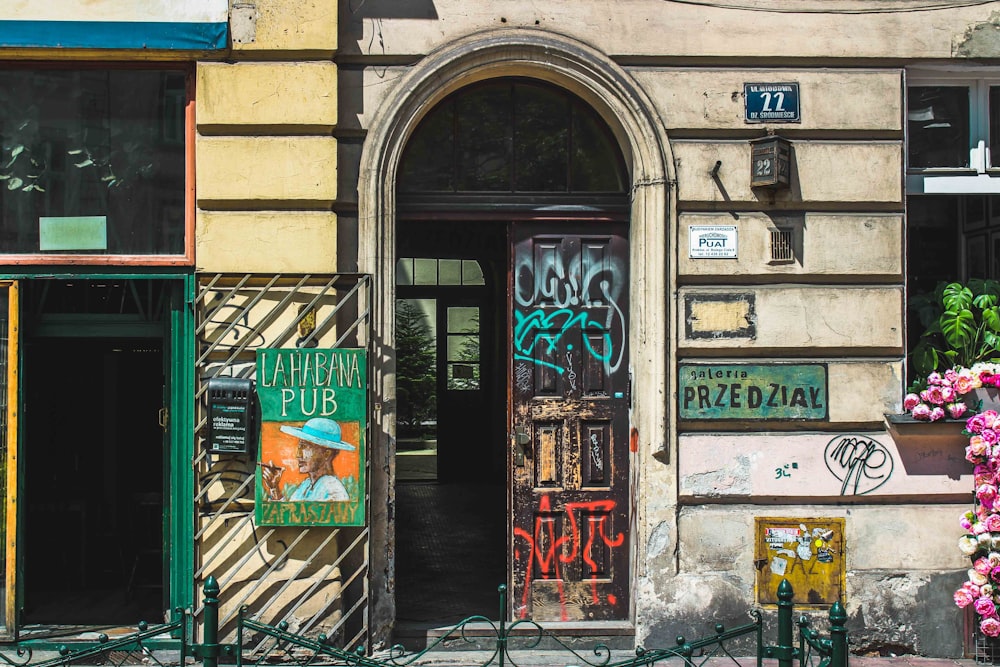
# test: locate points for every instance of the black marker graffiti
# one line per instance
(860, 463)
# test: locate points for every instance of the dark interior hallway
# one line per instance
(450, 554)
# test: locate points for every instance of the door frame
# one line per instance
(641, 135)
(178, 350)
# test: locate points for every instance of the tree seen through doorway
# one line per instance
(416, 381)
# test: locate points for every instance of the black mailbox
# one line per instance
(770, 162)
(230, 415)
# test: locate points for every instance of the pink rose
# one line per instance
(963, 598)
(936, 414)
(921, 412)
(956, 410)
(934, 378)
(982, 565)
(986, 493)
(978, 446)
(964, 384)
(933, 395)
(990, 627)
(993, 524)
(948, 394)
(985, 607)
(989, 418)
(950, 375)
(989, 436)
(910, 401)
(974, 424)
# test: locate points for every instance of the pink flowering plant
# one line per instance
(958, 353)
(981, 542)
(949, 394)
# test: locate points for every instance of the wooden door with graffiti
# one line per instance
(569, 413)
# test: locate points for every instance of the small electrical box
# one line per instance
(770, 162)
(230, 415)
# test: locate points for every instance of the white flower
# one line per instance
(968, 545)
(977, 579)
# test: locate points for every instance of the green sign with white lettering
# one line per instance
(312, 461)
(782, 392)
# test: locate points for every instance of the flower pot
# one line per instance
(984, 398)
(912, 434)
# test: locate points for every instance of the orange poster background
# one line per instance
(279, 448)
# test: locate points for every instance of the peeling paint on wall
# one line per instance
(980, 40)
(659, 540)
(723, 481)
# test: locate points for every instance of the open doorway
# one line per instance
(450, 463)
(525, 182)
(92, 453)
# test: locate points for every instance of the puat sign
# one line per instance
(712, 241)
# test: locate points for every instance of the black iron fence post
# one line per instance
(838, 635)
(210, 647)
(785, 651)
(502, 635)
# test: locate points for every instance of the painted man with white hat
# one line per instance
(319, 442)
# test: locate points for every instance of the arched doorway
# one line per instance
(512, 267)
(639, 133)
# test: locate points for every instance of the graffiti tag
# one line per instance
(546, 551)
(568, 291)
(860, 463)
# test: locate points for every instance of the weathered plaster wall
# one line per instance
(841, 247)
(266, 182)
(838, 301)
(651, 29)
(266, 162)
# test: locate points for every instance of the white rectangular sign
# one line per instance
(712, 241)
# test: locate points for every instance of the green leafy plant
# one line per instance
(962, 326)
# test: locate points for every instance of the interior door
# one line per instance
(569, 411)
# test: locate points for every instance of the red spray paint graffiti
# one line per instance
(543, 546)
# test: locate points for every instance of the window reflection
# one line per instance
(99, 151)
(938, 126)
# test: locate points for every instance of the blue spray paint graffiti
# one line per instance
(560, 293)
(537, 327)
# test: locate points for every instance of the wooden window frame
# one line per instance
(186, 259)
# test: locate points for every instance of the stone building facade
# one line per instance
(677, 237)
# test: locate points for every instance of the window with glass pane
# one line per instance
(938, 126)
(995, 125)
(463, 347)
(92, 162)
(512, 136)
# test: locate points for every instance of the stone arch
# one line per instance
(629, 113)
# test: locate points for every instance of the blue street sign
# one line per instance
(772, 102)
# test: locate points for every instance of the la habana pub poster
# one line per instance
(311, 464)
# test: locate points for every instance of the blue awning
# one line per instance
(122, 35)
(183, 25)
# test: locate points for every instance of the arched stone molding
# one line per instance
(652, 229)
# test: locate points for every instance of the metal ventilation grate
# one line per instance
(782, 245)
